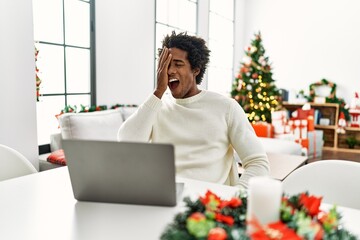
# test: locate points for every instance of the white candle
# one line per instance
(264, 200)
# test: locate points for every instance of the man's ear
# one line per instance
(196, 71)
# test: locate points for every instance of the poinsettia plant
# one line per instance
(209, 217)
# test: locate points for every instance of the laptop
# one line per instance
(122, 172)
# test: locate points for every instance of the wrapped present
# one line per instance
(298, 127)
(304, 114)
(316, 143)
(263, 129)
(307, 114)
(304, 142)
(285, 136)
(279, 121)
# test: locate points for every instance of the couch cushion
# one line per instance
(127, 111)
(99, 125)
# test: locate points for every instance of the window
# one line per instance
(174, 15)
(64, 35)
(221, 44)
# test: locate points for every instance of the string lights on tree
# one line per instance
(254, 88)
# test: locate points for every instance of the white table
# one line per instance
(281, 165)
(42, 206)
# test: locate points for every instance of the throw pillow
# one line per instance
(99, 125)
(57, 157)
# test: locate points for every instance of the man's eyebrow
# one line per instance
(178, 60)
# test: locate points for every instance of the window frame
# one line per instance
(45, 148)
(156, 22)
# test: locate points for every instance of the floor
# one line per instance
(329, 154)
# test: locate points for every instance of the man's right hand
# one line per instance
(162, 72)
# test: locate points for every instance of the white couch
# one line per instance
(104, 125)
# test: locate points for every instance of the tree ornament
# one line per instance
(247, 60)
(253, 49)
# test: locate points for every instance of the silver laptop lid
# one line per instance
(121, 172)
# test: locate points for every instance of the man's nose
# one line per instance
(171, 69)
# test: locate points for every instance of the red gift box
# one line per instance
(308, 115)
(263, 129)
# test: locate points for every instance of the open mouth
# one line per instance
(173, 83)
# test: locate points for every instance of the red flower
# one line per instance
(311, 203)
(233, 202)
(254, 75)
(229, 220)
(277, 230)
(217, 234)
(211, 201)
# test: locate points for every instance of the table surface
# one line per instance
(281, 165)
(42, 206)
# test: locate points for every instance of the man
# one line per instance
(205, 127)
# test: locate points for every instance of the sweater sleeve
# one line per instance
(247, 145)
(138, 126)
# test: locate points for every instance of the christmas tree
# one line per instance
(254, 87)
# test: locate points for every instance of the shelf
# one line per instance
(347, 150)
(354, 129)
(332, 140)
(350, 132)
(327, 110)
(313, 104)
(335, 105)
(333, 127)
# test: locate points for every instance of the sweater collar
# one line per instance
(183, 101)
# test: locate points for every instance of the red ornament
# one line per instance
(244, 70)
(197, 216)
(217, 234)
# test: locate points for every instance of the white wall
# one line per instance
(17, 81)
(203, 30)
(125, 48)
(239, 32)
(308, 40)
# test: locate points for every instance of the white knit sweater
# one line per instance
(205, 130)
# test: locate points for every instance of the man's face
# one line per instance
(182, 79)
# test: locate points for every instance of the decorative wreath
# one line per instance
(322, 82)
(331, 98)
